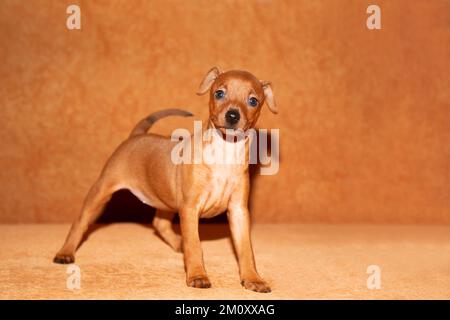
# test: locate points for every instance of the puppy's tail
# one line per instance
(145, 124)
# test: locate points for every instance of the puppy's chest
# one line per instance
(225, 171)
(223, 181)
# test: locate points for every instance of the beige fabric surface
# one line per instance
(128, 261)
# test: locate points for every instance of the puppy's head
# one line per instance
(236, 98)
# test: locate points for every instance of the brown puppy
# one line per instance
(144, 165)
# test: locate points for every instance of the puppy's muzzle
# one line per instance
(232, 117)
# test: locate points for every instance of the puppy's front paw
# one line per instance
(63, 258)
(199, 282)
(256, 285)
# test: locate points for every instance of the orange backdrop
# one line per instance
(364, 115)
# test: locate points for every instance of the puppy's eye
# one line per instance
(253, 102)
(219, 94)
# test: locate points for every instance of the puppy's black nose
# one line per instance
(232, 116)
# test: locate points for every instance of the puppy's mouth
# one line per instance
(229, 128)
(230, 131)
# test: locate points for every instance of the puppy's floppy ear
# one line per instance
(208, 80)
(268, 93)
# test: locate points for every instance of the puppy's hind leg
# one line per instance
(162, 222)
(98, 196)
